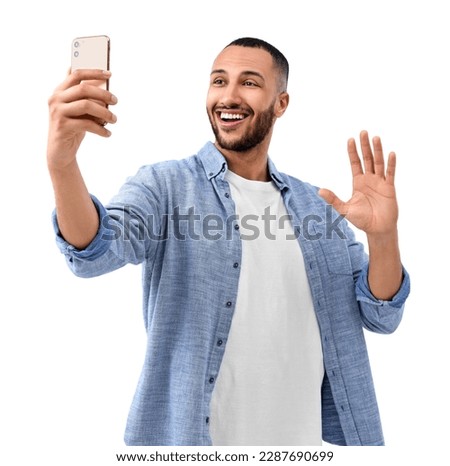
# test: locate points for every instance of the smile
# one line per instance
(231, 116)
(231, 119)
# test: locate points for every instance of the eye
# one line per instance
(250, 84)
(218, 82)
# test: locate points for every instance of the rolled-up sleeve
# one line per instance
(129, 228)
(95, 249)
(381, 316)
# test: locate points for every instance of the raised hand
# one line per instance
(77, 105)
(373, 205)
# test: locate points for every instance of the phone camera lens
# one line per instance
(76, 44)
(76, 53)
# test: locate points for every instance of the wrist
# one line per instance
(59, 164)
(384, 238)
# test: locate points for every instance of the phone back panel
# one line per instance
(91, 52)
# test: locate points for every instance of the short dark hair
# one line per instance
(279, 59)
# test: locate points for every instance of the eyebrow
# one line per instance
(244, 73)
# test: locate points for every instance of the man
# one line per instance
(255, 291)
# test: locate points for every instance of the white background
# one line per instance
(71, 349)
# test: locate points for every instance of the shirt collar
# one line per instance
(278, 178)
(215, 164)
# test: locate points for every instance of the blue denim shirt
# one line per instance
(177, 219)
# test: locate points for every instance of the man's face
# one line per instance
(242, 97)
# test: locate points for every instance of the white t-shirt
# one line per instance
(268, 391)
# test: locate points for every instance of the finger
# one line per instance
(355, 161)
(88, 75)
(93, 127)
(366, 152)
(70, 127)
(390, 171)
(88, 109)
(378, 156)
(331, 198)
(77, 76)
(87, 91)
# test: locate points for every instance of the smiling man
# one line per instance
(253, 339)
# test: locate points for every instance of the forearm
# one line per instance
(385, 269)
(76, 213)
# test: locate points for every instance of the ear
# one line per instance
(282, 104)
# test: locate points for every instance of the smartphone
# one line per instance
(91, 52)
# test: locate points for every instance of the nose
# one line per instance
(231, 96)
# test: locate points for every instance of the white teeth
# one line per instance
(231, 116)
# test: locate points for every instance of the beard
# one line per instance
(253, 136)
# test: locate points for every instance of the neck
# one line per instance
(251, 164)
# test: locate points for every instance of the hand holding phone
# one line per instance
(92, 52)
(81, 102)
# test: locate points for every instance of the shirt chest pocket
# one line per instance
(336, 256)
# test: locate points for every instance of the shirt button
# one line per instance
(219, 342)
(207, 420)
(211, 380)
(236, 265)
(227, 195)
(229, 303)
(236, 227)
(210, 174)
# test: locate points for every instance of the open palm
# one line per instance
(373, 205)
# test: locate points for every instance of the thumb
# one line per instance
(331, 198)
